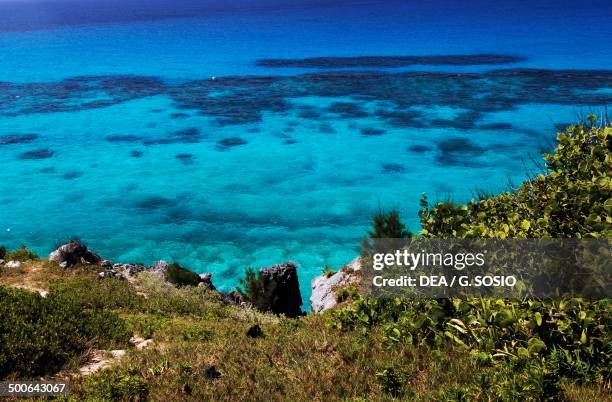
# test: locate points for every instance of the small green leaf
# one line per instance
(525, 224)
(538, 318)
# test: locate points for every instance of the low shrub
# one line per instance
(94, 293)
(391, 381)
(147, 325)
(22, 254)
(180, 276)
(327, 272)
(261, 294)
(164, 299)
(115, 386)
(562, 339)
(385, 225)
(347, 293)
(39, 336)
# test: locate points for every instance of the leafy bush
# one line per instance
(571, 200)
(385, 225)
(391, 381)
(456, 393)
(262, 295)
(346, 293)
(196, 332)
(22, 254)
(39, 336)
(93, 293)
(165, 299)
(146, 325)
(114, 386)
(181, 276)
(570, 336)
(327, 272)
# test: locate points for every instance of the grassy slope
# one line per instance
(301, 359)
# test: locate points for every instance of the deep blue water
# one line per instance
(161, 131)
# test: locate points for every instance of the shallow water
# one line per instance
(171, 139)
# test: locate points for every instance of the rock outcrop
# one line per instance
(13, 264)
(206, 281)
(234, 298)
(283, 281)
(324, 288)
(72, 253)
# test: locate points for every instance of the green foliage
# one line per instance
(571, 200)
(116, 386)
(391, 381)
(327, 271)
(95, 293)
(347, 293)
(22, 254)
(197, 333)
(385, 225)
(181, 276)
(165, 299)
(39, 335)
(146, 325)
(557, 338)
(262, 295)
(455, 393)
(388, 225)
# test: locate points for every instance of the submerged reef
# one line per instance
(230, 142)
(37, 154)
(400, 97)
(17, 139)
(392, 61)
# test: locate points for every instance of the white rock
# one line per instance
(354, 265)
(13, 264)
(324, 289)
(140, 343)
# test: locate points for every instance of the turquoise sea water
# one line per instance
(160, 137)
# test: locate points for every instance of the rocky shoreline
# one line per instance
(282, 278)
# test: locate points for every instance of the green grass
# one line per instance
(310, 358)
(40, 336)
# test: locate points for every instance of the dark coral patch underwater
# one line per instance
(392, 61)
(37, 154)
(347, 109)
(124, 138)
(419, 149)
(393, 168)
(154, 202)
(186, 136)
(17, 139)
(71, 175)
(458, 151)
(230, 142)
(372, 132)
(185, 159)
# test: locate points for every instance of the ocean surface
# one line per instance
(225, 135)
